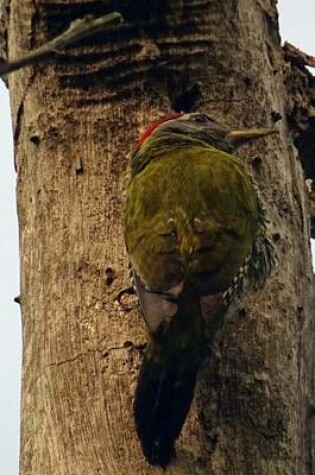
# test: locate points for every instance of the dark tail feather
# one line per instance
(162, 400)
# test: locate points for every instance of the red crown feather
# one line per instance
(154, 125)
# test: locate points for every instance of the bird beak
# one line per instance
(245, 135)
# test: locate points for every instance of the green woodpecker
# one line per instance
(196, 236)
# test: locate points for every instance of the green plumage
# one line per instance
(196, 236)
(192, 183)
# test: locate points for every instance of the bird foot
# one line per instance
(121, 294)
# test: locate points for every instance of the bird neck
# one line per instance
(163, 141)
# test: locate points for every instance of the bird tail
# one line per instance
(163, 397)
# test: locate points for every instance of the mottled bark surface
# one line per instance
(73, 125)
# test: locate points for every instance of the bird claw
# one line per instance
(126, 291)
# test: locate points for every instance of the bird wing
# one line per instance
(213, 208)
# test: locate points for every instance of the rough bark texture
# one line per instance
(73, 125)
(300, 86)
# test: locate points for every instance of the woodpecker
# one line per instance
(196, 235)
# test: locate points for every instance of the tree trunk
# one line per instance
(74, 124)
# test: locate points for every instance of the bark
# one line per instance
(73, 126)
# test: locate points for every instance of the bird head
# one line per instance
(200, 128)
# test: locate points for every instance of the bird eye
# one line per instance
(201, 119)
